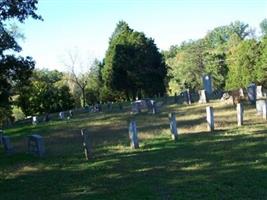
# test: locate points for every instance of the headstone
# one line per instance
(34, 120)
(7, 144)
(259, 106)
(46, 117)
(173, 126)
(133, 135)
(251, 90)
(70, 113)
(136, 107)
(210, 118)
(264, 110)
(207, 84)
(87, 144)
(203, 97)
(240, 112)
(188, 96)
(259, 92)
(36, 145)
(154, 107)
(61, 115)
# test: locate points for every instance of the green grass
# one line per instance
(229, 163)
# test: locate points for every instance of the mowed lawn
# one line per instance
(228, 163)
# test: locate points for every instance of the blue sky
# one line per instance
(86, 25)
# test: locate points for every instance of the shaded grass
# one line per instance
(229, 163)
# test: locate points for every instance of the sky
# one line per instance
(85, 26)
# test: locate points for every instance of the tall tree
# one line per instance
(14, 70)
(133, 64)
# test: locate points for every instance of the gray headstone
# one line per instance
(251, 90)
(203, 97)
(133, 135)
(259, 106)
(173, 126)
(207, 84)
(7, 144)
(210, 118)
(36, 145)
(240, 112)
(87, 144)
(61, 115)
(259, 92)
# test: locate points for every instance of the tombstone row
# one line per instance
(35, 144)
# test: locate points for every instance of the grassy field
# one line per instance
(228, 163)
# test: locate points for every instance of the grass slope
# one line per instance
(229, 163)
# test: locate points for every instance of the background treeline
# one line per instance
(132, 67)
(231, 54)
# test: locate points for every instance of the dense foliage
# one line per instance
(133, 65)
(15, 70)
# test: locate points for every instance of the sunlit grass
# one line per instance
(228, 163)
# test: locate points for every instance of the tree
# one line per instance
(45, 94)
(242, 59)
(133, 65)
(14, 70)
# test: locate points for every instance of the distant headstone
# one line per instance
(240, 112)
(154, 107)
(87, 144)
(46, 117)
(61, 115)
(259, 105)
(188, 96)
(133, 135)
(259, 92)
(207, 84)
(7, 144)
(70, 113)
(36, 145)
(203, 97)
(264, 110)
(136, 107)
(173, 126)
(34, 120)
(251, 90)
(210, 118)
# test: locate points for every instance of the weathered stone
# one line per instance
(87, 144)
(133, 135)
(173, 126)
(203, 97)
(7, 144)
(210, 118)
(240, 112)
(207, 84)
(259, 106)
(251, 90)
(36, 145)
(61, 115)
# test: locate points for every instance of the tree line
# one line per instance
(132, 67)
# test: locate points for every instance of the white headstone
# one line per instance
(133, 135)
(210, 118)
(240, 112)
(173, 126)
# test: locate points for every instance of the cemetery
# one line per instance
(199, 150)
(170, 106)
